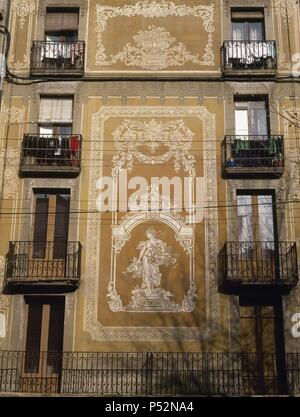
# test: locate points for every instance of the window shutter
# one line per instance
(56, 325)
(34, 326)
(61, 226)
(56, 333)
(40, 227)
(61, 21)
(57, 110)
(247, 14)
(33, 337)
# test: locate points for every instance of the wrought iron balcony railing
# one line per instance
(132, 374)
(249, 55)
(51, 155)
(272, 265)
(253, 154)
(60, 57)
(34, 264)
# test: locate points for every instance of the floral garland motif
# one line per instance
(131, 136)
(23, 8)
(13, 114)
(10, 180)
(153, 9)
(155, 49)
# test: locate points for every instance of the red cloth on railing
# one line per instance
(74, 150)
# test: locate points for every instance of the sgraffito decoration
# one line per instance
(156, 48)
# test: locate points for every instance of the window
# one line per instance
(61, 24)
(54, 145)
(51, 222)
(248, 48)
(256, 212)
(251, 116)
(56, 116)
(45, 329)
(248, 25)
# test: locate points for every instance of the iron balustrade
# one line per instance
(51, 152)
(270, 263)
(150, 373)
(43, 261)
(249, 55)
(253, 151)
(58, 57)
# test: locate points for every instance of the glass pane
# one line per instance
(255, 31)
(259, 125)
(266, 222)
(64, 130)
(241, 122)
(244, 212)
(238, 31)
(46, 130)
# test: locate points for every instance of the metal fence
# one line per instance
(57, 57)
(253, 151)
(262, 262)
(43, 260)
(44, 151)
(249, 55)
(225, 374)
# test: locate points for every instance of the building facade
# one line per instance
(150, 197)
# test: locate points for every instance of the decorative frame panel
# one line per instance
(91, 323)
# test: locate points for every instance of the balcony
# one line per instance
(50, 156)
(57, 58)
(253, 156)
(145, 374)
(258, 266)
(249, 58)
(42, 267)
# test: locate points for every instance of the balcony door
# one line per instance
(55, 128)
(262, 342)
(43, 343)
(251, 145)
(50, 233)
(256, 213)
(248, 44)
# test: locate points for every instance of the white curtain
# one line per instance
(259, 122)
(266, 223)
(247, 31)
(244, 211)
(255, 31)
(238, 31)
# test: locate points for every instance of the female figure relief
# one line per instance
(153, 254)
(151, 257)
